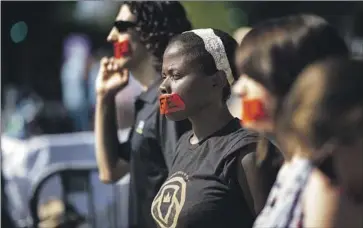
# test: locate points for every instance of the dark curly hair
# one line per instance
(157, 23)
(194, 47)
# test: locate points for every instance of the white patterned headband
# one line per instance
(214, 45)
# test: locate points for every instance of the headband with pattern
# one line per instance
(214, 45)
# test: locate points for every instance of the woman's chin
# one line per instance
(176, 116)
(259, 126)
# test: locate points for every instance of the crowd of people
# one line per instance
(282, 163)
(291, 154)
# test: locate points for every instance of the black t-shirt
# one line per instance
(202, 189)
(150, 152)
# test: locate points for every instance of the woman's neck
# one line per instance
(208, 121)
(297, 154)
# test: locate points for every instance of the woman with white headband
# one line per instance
(207, 184)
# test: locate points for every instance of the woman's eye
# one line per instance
(175, 76)
(171, 76)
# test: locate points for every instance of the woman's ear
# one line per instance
(219, 79)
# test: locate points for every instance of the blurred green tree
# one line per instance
(225, 16)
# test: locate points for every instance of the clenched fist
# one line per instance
(112, 77)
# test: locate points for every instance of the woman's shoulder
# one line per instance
(319, 200)
(318, 180)
(240, 139)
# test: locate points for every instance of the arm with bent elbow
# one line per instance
(111, 167)
(111, 79)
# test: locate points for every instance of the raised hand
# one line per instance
(112, 77)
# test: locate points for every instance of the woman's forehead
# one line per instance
(175, 56)
(175, 48)
(125, 14)
(184, 56)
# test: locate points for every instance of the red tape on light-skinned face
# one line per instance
(253, 110)
(121, 49)
(170, 103)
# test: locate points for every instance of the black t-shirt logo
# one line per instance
(169, 201)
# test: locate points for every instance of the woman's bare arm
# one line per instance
(108, 150)
(112, 77)
(319, 201)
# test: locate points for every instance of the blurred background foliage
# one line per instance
(33, 32)
(219, 15)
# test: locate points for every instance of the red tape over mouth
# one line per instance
(253, 110)
(121, 49)
(170, 103)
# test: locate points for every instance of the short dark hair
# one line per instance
(325, 106)
(157, 22)
(194, 47)
(275, 52)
